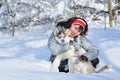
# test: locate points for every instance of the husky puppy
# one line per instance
(62, 38)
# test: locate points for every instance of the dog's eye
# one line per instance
(61, 36)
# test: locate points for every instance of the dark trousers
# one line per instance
(65, 62)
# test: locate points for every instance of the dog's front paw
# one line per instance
(54, 70)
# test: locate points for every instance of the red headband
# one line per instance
(80, 22)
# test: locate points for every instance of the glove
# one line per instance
(83, 58)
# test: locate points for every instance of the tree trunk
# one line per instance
(13, 29)
(110, 13)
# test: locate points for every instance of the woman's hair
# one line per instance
(71, 20)
(67, 24)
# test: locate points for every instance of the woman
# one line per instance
(77, 28)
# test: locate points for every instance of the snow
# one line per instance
(26, 55)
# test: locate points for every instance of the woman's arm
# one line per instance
(55, 47)
(91, 51)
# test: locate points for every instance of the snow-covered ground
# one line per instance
(25, 56)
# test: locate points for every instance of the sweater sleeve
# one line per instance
(91, 51)
(55, 47)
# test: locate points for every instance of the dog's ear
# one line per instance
(67, 32)
(62, 28)
(56, 31)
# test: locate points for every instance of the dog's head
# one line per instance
(61, 37)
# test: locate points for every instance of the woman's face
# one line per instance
(74, 30)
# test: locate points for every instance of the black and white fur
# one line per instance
(62, 38)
